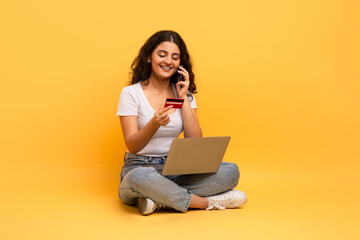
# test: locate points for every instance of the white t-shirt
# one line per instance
(133, 102)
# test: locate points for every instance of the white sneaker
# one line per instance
(146, 205)
(229, 199)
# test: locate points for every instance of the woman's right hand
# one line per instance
(162, 116)
(136, 139)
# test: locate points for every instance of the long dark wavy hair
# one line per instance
(141, 68)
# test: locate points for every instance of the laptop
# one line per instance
(195, 155)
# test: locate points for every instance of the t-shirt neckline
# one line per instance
(147, 101)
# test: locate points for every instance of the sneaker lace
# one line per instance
(219, 202)
(158, 206)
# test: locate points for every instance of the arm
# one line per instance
(136, 139)
(191, 123)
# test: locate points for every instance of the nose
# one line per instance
(168, 60)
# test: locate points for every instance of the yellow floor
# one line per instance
(82, 203)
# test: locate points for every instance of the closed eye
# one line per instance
(163, 53)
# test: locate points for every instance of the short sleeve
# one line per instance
(128, 103)
(192, 100)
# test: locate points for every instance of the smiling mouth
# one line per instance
(166, 68)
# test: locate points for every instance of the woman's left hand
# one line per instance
(183, 86)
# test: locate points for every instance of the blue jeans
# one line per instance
(139, 178)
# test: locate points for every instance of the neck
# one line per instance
(159, 84)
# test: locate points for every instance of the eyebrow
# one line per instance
(167, 52)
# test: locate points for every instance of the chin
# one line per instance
(163, 78)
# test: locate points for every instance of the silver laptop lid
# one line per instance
(195, 155)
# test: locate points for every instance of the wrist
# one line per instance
(155, 124)
(183, 96)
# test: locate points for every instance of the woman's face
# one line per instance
(165, 60)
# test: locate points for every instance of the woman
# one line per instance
(149, 129)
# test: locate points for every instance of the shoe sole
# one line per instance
(141, 204)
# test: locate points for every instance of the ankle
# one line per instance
(198, 202)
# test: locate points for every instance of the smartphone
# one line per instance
(177, 76)
(181, 76)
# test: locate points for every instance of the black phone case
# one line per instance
(179, 75)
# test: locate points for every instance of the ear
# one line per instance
(149, 59)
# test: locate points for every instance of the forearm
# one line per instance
(191, 124)
(137, 141)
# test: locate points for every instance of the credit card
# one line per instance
(175, 102)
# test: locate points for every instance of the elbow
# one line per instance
(133, 145)
(197, 133)
(132, 151)
(131, 148)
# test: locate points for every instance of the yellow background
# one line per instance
(280, 77)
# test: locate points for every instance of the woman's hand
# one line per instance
(136, 139)
(183, 86)
(162, 116)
